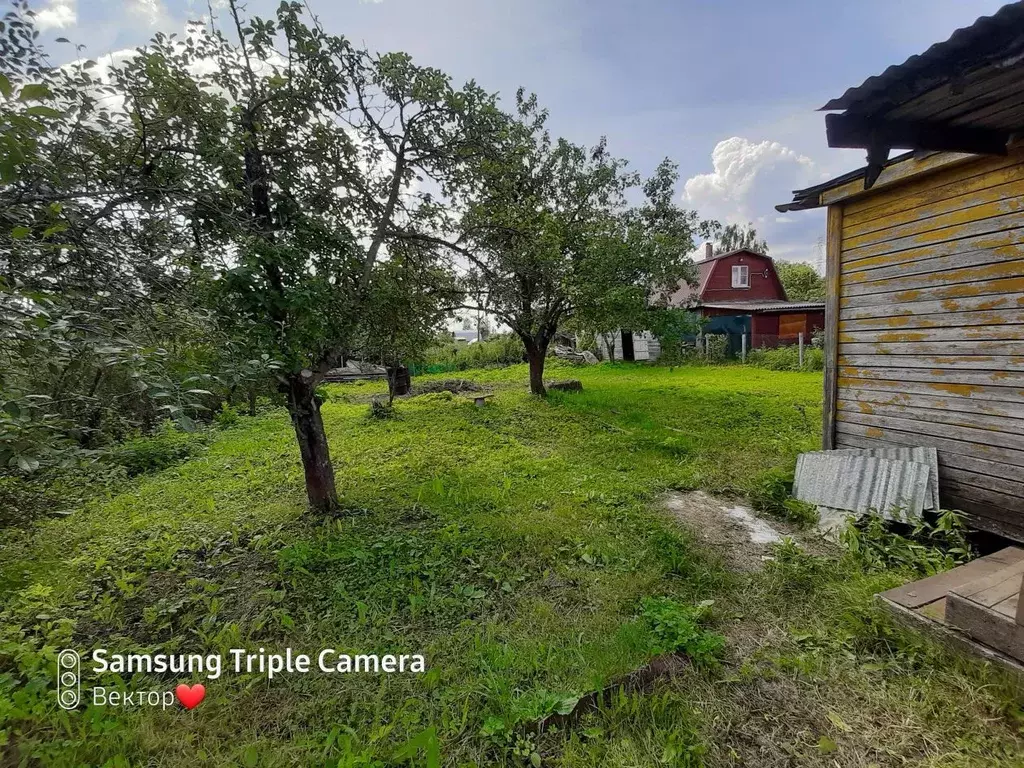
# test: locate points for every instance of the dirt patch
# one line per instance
(727, 528)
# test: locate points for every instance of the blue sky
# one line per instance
(727, 89)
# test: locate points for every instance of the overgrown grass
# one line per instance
(514, 545)
(498, 351)
(787, 358)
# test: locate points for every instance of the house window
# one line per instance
(741, 276)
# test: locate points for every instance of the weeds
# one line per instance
(928, 547)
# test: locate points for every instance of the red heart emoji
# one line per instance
(190, 697)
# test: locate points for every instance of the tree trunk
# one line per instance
(304, 408)
(535, 353)
(252, 401)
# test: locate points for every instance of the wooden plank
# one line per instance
(959, 180)
(933, 416)
(927, 590)
(1013, 410)
(953, 362)
(1007, 200)
(1001, 504)
(893, 434)
(968, 434)
(833, 271)
(976, 190)
(946, 319)
(987, 271)
(953, 462)
(1005, 302)
(937, 293)
(982, 517)
(993, 588)
(985, 625)
(897, 173)
(999, 484)
(959, 231)
(1019, 614)
(899, 381)
(934, 265)
(952, 639)
(969, 333)
(1005, 245)
(1012, 348)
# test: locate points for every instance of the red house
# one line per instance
(743, 284)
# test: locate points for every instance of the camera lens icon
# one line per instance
(69, 679)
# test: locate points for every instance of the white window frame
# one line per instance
(740, 276)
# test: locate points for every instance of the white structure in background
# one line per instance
(640, 345)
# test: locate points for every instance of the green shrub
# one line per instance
(716, 347)
(495, 352)
(787, 358)
(168, 446)
(226, 416)
(931, 546)
(678, 628)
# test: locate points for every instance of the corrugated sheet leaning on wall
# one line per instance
(845, 481)
(931, 330)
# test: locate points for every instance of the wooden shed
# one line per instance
(925, 267)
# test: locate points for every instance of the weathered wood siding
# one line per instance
(930, 330)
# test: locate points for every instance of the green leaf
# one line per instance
(26, 464)
(535, 759)
(5, 86)
(567, 705)
(41, 111)
(250, 758)
(34, 92)
(21, 232)
(826, 745)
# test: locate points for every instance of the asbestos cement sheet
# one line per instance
(862, 483)
(921, 454)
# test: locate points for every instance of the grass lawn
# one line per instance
(516, 546)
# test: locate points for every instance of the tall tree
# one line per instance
(294, 159)
(733, 237)
(801, 281)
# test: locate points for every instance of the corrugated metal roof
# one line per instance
(862, 483)
(764, 305)
(988, 39)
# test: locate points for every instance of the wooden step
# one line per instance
(990, 609)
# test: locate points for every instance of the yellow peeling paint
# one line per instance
(951, 306)
(865, 408)
(914, 336)
(963, 390)
(875, 432)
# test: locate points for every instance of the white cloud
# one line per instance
(747, 180)
(56, 14)
(152, 13)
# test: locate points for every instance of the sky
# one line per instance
(728, 89)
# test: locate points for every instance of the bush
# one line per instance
(167, 447)
(787, 358)
(226, 416)
(931, 546)
(716, 346)
(498, 351)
